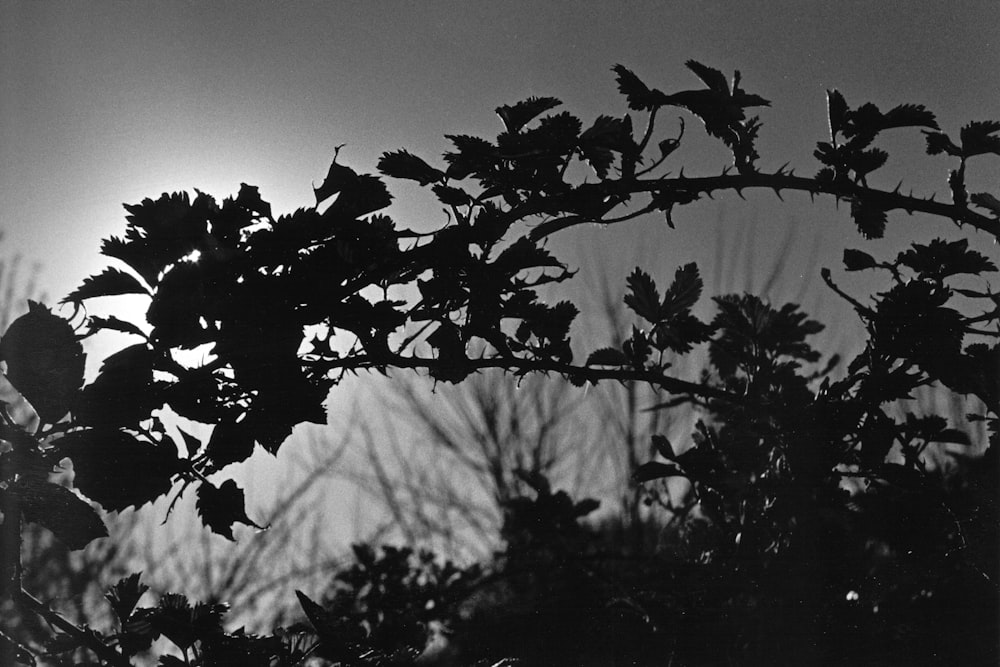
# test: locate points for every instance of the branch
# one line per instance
(88, 639)
(687, 189)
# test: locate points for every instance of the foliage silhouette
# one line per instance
(267, 300)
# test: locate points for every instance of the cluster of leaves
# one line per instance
(277, 310)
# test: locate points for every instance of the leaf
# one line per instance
(940, 259)
(249, 199)
(643, 297)
(109, 283)
(987, 201)
(117, 470)
(939, 142)
(837, 111)
(403, 164)
(450, 196)
(712, 77)
(112, 323)
(124, 393)
(979, 138)
(870, 219)
(520, 114)
(338, 178)
(647, 472)
(683, 293)
(124, 596)
(230, 443)
(637, 94)
(663, 447)
(221, 507)
(600, 140)
(908, 115)
(45, 361)
(607, 356)
(71, 520)
(856, 260)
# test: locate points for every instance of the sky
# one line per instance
(104, 103)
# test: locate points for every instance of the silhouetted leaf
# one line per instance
(683, 293)
(837, 110)
(112, 323)
(110, 282)
(338, 178)
(221, 507)
(124, 392)
(643, 297)
(45, 361)
(939, 142)
(856, 260)
(124, 596)
(403, 164)
(71, 520)
(607, 356)
(450, 196)
(606, 136)
(637, 94)
(980, 137)
(987, 201)
(870, 219)
(516, 116)
(940, 259)
(117, 470)
(908, 115)
(249, 198)
(712, 77)
(230, 443)
(647, 472)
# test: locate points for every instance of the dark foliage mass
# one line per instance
(814, 531)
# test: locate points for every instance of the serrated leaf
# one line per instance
(638, 96)
(683, 293)
(71, 520)
(607, 356)
(45, 361)
(837, 111)
(451, 196)
(647, 472)
(987, 201)
(870, 219)
(403, 164)
(229, 443)
(939, 142)
(857, 260)
(221, 507)
(518, 115)
(125, 595)
(111, 282)
(979, 138)
(643, 297)
(908, 115)
(117, 470)
(124, 392)
(112, 323)
(712, 77)
(941, 258)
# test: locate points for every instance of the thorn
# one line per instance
(739, 192)
(708, 193)
(725, 170)
(778, 193)
(791, 173)
(680, 176)
(781, 169)
(933, 195)
(812, 197)
(895, 190)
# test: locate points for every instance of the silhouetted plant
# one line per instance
(283, 308)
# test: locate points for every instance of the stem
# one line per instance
(88, 639)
